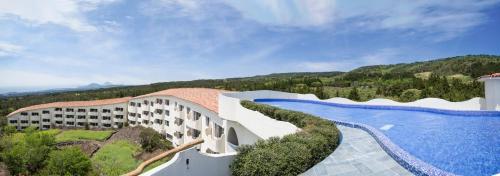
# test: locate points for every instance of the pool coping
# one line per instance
(405, 159)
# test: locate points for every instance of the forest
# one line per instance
(453, 79)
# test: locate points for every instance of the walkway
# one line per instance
(358, 154)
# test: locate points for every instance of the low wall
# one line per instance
(198, 164)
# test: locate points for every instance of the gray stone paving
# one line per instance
(357, 154)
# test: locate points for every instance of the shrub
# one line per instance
(152, 140)
(292, 154)
(68, 161)
(7, 130)
(25, 154)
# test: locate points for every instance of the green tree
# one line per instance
(7, 130)
(68, 161)
(354, 95)
(151, 140)
(410, 95)
(26, 156)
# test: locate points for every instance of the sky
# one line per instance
(67, 43)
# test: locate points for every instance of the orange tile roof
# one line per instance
(205, 97)
(73, 104)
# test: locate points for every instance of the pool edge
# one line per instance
(403, 158)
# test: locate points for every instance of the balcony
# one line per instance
(178, 127)
(93, 113)
(195, 124)
(119, 112)
(35, 118)
(45, 123)
(220, 144)
(158, 116)
(46, 116)
(81, 120)
(119, 119)
(81, 113)
(132, 109)
(131, 118)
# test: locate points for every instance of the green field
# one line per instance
(77, 135)
(116, 158)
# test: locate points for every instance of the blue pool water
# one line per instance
(461, 144)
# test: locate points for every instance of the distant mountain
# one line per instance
(91, 86)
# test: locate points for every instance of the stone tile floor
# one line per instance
(357, 154)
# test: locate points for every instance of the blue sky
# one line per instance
(66, 43)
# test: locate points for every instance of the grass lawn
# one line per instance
(19, 136)
(116, 158)
(76, 135)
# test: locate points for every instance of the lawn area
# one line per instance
(20, 136)
(76, 135)
(116, 158)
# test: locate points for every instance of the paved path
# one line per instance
(357, 154)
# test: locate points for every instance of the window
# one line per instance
(70, 123)
(132, 122)
(118, 109)
(93, 124)
(145, 113)
(167, 102)
(45, 120)
(119, 117)
(219, 131)
(35, 122)
(58, 115)
(107, 125)
(69, 110)
(159, 101)
(35, 114)
(181, 108)
(106, 110)
(132, 103)
(146, 102)
(12, 121)
(159, 111)
(80, 123)
(167, 123)
(158, 121)
(24, 113)
(106, 118)
(24, 121)
(59, 122)
(81, 117)
(196, 115)
(119, 124)
(58, 109)
(139, 115)
(46, 126)
(207, 121)
(167, 112)
(152, 104)
(138, 104)
(45, 112)
(145, 121)
(132, 114)
(93, 110)
(70, 116)
(93, 117)
(81, 110)
(169, 136)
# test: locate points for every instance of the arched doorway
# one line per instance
(232, 137)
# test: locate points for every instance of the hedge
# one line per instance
(291, 155)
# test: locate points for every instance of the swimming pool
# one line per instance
(460, 143)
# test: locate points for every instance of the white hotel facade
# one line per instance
(182, 115)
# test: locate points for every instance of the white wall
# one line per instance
(492, 93)
(199, 164)
(262, 126)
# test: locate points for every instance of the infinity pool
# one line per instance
(461, 144)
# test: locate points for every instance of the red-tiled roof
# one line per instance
(494, 75)
(73, 104)
(208, 98)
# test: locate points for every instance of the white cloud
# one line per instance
(444, 19)
(9, 49)
(67, 13)
(287, 13)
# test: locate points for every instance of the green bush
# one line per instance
(25, 154)
(292, 154)
(152, 140)
(68, 161)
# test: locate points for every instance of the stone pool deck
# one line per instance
(357, 154)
